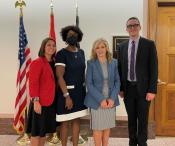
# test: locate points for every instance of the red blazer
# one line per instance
(42, 81)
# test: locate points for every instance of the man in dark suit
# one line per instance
(138, 69)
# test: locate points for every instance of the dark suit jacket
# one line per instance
(42, 81)
(146, 66)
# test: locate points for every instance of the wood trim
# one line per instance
(6, 115)
(152, 15)
(6, 126)
(121, 129)
(152, 30)
(166, 4)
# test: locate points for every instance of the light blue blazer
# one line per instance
(94, 83)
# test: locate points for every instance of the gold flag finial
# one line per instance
(20, 3)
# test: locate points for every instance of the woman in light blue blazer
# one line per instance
(103, 84)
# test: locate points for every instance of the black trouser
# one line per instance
(137, 108)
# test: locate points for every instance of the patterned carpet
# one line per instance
(10, 140)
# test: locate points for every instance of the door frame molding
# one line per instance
(152, 15)
(151, 33)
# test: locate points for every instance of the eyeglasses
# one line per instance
(132, 25)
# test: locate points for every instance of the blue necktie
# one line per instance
(132, 61)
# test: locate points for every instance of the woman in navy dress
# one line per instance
(70, 71)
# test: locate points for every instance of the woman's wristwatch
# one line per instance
(66, 94)
(35, 99)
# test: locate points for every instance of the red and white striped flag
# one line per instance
(22, 78)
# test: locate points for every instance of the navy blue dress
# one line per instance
(74, 76)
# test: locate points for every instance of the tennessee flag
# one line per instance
(52, 26)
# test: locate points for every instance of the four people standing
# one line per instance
(138, 72)
(138, 69)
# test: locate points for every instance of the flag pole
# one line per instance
(24, 138)
(53, 139)
(77, 17)
(82, 138)
(77, 20)
(76, 6)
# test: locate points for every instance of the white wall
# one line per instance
(98, 18)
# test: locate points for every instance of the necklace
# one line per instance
(76, 53)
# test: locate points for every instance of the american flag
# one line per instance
(22, 78)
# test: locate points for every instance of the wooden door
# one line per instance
(165, 100)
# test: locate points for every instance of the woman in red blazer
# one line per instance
(41, 115)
